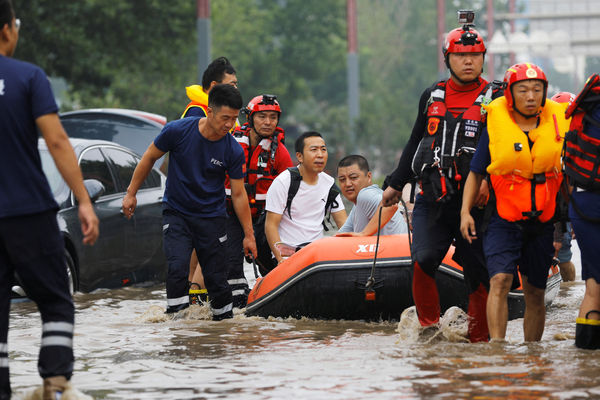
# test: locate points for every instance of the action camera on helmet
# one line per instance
(466, 17)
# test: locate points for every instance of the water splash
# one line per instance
(69, 394)
(453, 327)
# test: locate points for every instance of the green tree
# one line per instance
(135, 53)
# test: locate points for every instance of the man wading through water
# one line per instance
(442, 142)
(201, 152)
(30, 240)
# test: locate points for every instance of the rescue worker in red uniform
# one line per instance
(520, 151)
(442, 142)
(266, 157)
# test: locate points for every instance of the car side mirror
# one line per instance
(95, 188)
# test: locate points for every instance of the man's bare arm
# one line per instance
(66, 162)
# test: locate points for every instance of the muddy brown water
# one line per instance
(126, 348)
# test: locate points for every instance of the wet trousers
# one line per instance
(207, 236)
(32, 246)
(235, 262)
(435, 227)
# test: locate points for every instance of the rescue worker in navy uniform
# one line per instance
(443, 139)
(266, 157)
(582, 157)
(30, 240)
(520, 150)
(219, 71)
(203, 153)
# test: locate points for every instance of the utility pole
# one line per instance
(203, 29)
(490, 30)
(441, 32)
(352, 69)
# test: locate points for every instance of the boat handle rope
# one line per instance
(369, 290)
(254, 265)
(408, 222)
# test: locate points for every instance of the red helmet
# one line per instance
(563, 97)
(263, 102)
(523, 72)
(463, 40)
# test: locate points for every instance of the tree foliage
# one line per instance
(142, 53)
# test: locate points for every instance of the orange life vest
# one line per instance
(525, 180)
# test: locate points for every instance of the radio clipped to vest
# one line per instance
(444, 154)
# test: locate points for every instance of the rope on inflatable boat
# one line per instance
(254, 265)
(369, 291)
(407, 223)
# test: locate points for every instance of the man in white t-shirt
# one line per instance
(355, 182)
(302, 222)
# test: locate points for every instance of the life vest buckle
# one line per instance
(539, 178)
(532, 214)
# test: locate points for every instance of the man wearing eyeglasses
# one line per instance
(30, 241)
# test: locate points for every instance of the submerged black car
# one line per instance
(127, 251)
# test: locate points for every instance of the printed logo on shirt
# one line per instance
(1, 87)
(216, 162)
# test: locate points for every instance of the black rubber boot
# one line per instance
(587, 332)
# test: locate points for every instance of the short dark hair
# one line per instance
(299, 145)
(224, 95)
(7, 13)
(215, 71)
(357, 159)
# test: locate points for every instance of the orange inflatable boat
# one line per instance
(328, 280)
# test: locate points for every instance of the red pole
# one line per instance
(203, 9)
(204, 37)
(352, 29)
(490, 29)
(441, 30)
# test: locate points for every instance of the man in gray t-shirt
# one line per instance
(355, 183)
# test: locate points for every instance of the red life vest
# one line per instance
(582, 151)
(260, 166)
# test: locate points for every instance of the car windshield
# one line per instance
(52, 174)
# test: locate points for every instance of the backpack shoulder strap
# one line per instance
(334, 190)
(295, 179)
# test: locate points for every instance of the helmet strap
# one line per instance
(462, 82)
(526, 116)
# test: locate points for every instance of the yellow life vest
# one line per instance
(515, 167)
(198, 98)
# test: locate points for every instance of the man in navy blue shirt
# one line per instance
(30, 241)
(201, 152)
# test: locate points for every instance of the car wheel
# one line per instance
(71, 273)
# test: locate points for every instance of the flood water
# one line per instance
(126, 348)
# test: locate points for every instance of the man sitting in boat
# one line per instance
(354, 177)
(520, 151)
(300, 221)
